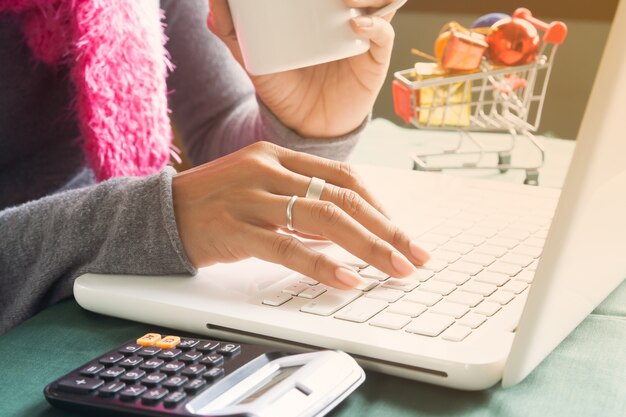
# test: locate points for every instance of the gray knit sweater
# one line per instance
(55, 222)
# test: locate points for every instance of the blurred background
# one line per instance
(418, 23)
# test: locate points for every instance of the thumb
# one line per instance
(220, 22)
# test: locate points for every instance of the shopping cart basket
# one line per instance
(504, 99)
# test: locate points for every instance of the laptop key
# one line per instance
(492, 250)
(330, 302)
(313, 292)
(450, 309)
(515, 286)
(439, 287)
(423, 297)
(429, 324)
(504, 268)
(406, 309)
(385, 294)
(422, 274)
(456, 333)
(488, 308)
(405, 285)
(479, 258)
(525, 276)
(458, 247)
(479, 288)
(295, 289)
(494, 278)
(361, 310)
(519, 260)
(466, 298)
(277, 299)
(472, 320)
(452, 277)
(373, 273)
(501, 297)
(390, 321)
(435, 265)
(527, 250)
(466, 268)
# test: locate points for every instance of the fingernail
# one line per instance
(418, 252)
(348, 276)
(363, 21)
(402, 264)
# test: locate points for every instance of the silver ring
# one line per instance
(292, 201)
(316, 186)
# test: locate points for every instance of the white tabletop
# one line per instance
(386, 144)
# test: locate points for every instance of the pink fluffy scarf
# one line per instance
(118, 65)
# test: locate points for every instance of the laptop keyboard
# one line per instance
(483, 256)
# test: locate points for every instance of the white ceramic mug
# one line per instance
(281, 35)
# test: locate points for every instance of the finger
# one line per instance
(288, 251)
(220, 22)
(359, 209)
(334, 172)
(323, 218)
(380, 34)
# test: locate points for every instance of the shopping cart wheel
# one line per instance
(532, 178)
(504, 158)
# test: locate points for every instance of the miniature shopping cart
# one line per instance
(492, 99)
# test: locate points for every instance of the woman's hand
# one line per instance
(326, 100)
(233, 208)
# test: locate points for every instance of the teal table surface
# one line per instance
(584, 376)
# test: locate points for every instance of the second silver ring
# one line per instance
(292, 201)
(316, 186)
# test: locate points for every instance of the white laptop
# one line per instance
(484, 310)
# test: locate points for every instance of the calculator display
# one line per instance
(268, 383)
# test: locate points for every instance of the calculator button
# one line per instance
(174, 399)
(190, 356)
(193, 370)
(194, 385)
(170, 353)
(149, 339)
(213, 360)
(130, 349)
(229, 349)
(213, 374)
(111, 388)
(208, 346)
(132, 376)
(111, 359)
(111, 373)
(149, 351)
(187, 343)
(175, 381)
(152, 364)
(131, 361)
(172, 367)
(132, 392)
(154, 379)
(92, 370)
(80, 385)
(168, 342)
(153, 396)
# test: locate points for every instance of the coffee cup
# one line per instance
(281, 35)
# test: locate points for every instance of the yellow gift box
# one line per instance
(445, 105)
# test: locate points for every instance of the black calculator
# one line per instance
(167, 375)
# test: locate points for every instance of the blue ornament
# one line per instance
(486, 21)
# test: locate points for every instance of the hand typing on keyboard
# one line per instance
(239, 205)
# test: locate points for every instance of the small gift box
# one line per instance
(447, 104)
(459, 49)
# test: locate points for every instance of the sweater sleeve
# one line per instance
(124, 225)
(214, 106)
